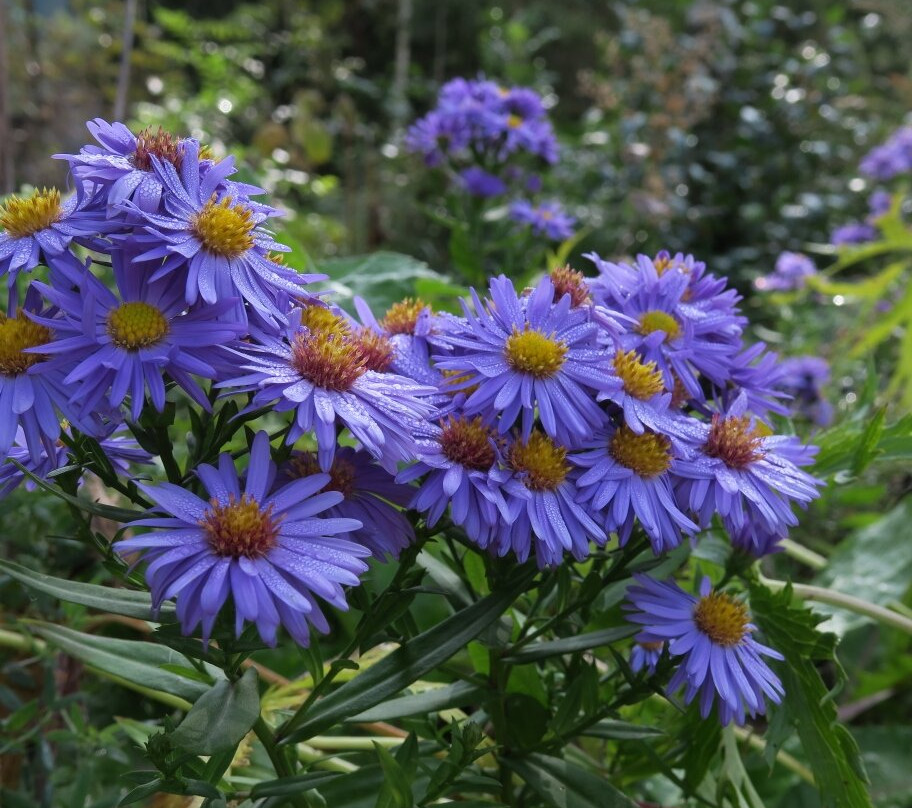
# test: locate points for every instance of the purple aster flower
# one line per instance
(273, 553)
(547, 219)
(754, 383)
(890, 159)
(686, 337)
(746, 475)
(33, 394)
(531, 355)
(322, 375)
(478, 182)
(646, 655)
(804, 378)
(879, 203)
(542, 499)
(460, 466)
(791, 272)
(119, 345)
(630, 477)
(41, 225)
(121, 167)
(722, 662)
(853, 233)
(216, 240)
(371, 496)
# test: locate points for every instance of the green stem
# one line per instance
(282, 765)
(853, 604)
(788, 761)
(803, 554)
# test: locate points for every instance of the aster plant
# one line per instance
(539, 515)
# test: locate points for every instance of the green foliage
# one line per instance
(808, 704)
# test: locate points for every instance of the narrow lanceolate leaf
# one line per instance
(623, 731)
(291, 786)
(221, 717)
(406, 664)
(115, 601)
(565, 785)
(831, 751)
(137, 662)
(570, 645)
(428, 701)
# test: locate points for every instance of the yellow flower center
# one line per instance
(468, 442)
(341, 475)
(651, 646)
(323, 320)
(161, 144)
(663, 263)
(655, 320)
(514, 121)
(402, 317)
(240, 529)
(568, 281)
(136, 325)
(641, 380)
(330, 361)
(649, 454)
(721, 618)
(530, 351)
(734, 441)
(25, 216)
(543, 461)
(16, 334)
(224, 228)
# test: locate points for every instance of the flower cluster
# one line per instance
(492, 140)
(581, 408)
(544, 421)
(891, 158)
(185, 289)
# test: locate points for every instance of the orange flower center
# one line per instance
(328, 360)
(161, 144)
(734, 441)
(468, 442)
(240, 529)
(568, 281)
(341, 475)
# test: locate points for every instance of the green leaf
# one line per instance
(528, 720)
(831, 751)
(870, 564)
(397, 790)
(867, 448)
(407, 663)
(382, 278)
(143, 791)
(427, 701)
(289, 786)
(221, 717)
(137, 662)
(105, 598)
(570, 645)
(885, 750)
(622, 731)
(565, 785)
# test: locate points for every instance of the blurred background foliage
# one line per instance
(728, 129)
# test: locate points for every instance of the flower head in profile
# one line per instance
(721, 663)
(530, 356)
(646, 655)
(548, 219)
(543, 500)
(322, 376)
(370, 495)
(273, 553)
